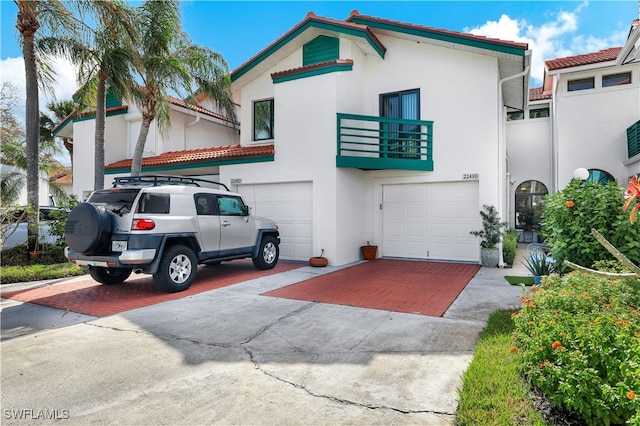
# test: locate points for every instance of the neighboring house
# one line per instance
(44, 196)
(192, 128)
(374, 130)
(63, 178)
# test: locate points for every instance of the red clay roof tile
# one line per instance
(198, 155)
(605, 55)
(539, 94)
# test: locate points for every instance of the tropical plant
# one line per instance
(105, 60)
(539, 265)
(509, 246)
(167, 61)
(53, 18)
(61, 110)
(632, 194)
(492, 228)
(570, 215)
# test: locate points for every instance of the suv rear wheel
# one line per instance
(267, 254)
(177, 269)
(110, 275)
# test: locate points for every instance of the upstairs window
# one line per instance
(616, 79)
(263, 120)
(515, 115)
(581, 84)
(539, 113)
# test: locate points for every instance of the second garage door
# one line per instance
(431, 221)
(291, 206)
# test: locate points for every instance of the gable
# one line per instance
(320, 49)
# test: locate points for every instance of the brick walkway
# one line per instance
(416, 287)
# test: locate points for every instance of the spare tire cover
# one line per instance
(88, 228)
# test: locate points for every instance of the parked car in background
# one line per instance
(19, 236)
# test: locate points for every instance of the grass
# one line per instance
(493, 391)
(516, 280)
(17, 267)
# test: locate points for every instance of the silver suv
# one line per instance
(166, 226)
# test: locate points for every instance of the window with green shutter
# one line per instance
(633, 139)
(320, 49)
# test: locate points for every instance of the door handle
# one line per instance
(226, 224)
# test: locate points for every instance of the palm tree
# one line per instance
(54, 17)
(105, 60)
(169, 62)
(61, 110)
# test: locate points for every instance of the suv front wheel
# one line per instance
(267, 254)
(110, 275)
(177, 269)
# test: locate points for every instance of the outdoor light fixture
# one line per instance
(581, 174)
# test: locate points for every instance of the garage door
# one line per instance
(290, 205)
(431, 221)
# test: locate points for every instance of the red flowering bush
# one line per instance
(579, 340)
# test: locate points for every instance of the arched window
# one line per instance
(600, 176)
(529, 195)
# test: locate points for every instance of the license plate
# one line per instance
(118, 245)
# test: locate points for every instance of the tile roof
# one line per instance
(197, 108)
(195, 156)
(312, 67)
(356, 15)
(604, 55)
(61, 175)
(539, 94)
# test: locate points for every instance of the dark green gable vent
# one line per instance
(112, 100)
(633, 139)
(320, 49)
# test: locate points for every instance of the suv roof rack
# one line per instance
(150, 180)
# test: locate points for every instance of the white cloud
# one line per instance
(12, 70)
(550, 40)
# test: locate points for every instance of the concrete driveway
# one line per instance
(231, 356)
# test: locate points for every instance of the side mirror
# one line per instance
(245, 210)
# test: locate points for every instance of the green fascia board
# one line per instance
(69, 119)
(311, 73)
(216, 163)
(289, 37)
(92, 115)
(368, 163)
(437, 35)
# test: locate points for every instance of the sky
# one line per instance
(240, 29)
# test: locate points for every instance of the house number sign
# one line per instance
(470, 176)
(236, 181)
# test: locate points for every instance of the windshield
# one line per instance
(116, 200)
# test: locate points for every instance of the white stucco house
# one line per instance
(370, 130)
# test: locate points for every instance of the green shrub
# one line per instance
(56, 227)
(579, 337)
(509, 246)
(18, 256)
(569, 216)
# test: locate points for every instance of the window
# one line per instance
(397, 138)
(263, 120)
(539, 113)
(154, 203)
(600, 176)
(231, 206)
(204, 204)
(616, 79)
(581, 84)
(528, 210)
(515, 115)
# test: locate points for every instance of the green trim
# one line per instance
(384, 163)
(314, 72)
(243, 69)
(112, 100)
(62, 125)
(92, 115)
(633, 139)
(439, 35)
(320, 49)
(215, 163)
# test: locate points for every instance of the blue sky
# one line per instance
(240, 29)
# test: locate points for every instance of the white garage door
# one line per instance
(431, 221)
(290, 205)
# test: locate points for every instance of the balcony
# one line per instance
(380, 143)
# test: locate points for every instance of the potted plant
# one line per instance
(539, 266)
(491, 234)
(319, 261)
(369, 251)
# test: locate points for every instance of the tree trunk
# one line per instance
(28, 25)
(98, 177)
(136, 164)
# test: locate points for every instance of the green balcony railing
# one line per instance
(378, 143)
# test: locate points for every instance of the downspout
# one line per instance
(503, 184)
(194, 122)
(554, 135)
